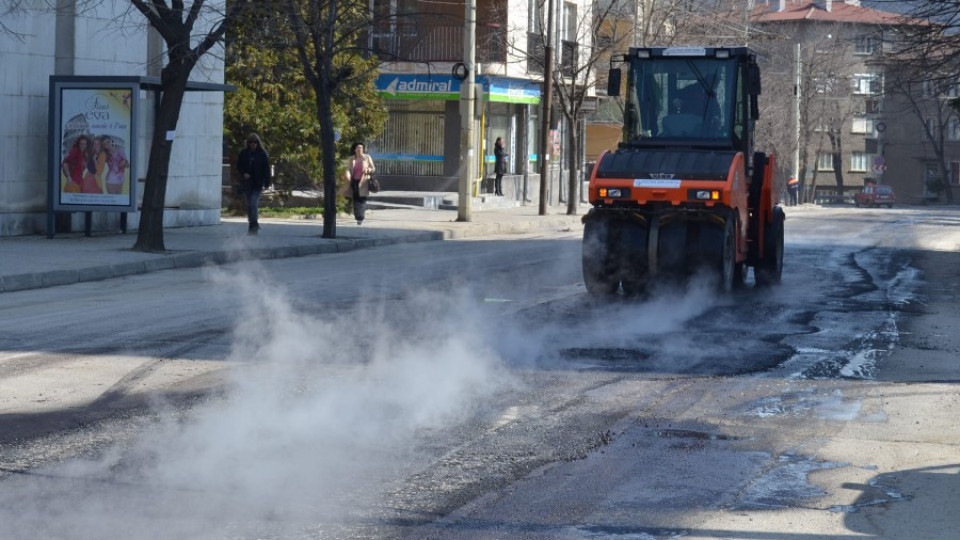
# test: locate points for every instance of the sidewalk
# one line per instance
(31, 262)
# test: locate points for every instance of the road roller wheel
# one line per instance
(770, 269)
(599, 265)
(634, 256)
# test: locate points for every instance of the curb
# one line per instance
(195, 259)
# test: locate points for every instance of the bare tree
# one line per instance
(931, 100)
(928, 39)
(176, 25)
(8, 10)
(923, 64)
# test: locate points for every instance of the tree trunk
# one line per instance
(173, 87)
(573, 159)
(329, 161)
(836, 144)
(945, 180)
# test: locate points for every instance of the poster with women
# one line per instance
(94, 129)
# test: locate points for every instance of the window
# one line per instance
(569, 22)
(953, 128)
(824, 85)
(859, 162)
(825, 162)
(955, 172)
(862, 125)
(865, 45)
(535, 14)
(866, 84)
(412, 139)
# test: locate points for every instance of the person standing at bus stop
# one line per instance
(499, 166)
(793, 188)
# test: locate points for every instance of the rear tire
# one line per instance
(599, 269)
(634, 256)
(770, 269)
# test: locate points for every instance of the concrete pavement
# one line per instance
(32, 262)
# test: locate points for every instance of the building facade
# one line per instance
(105, 39)
(420, 148)
(854, 123)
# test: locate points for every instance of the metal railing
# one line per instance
(437, 43)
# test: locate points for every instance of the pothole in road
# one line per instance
(604, 354)
(694, 434)
(785, 485)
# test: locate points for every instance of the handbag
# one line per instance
(373, 186)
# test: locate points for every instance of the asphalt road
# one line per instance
(471, 389)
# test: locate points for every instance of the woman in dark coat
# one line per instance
(499, 165)
(254, 167)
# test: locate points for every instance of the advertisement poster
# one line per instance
(95, 138)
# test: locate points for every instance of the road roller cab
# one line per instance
(684, 190)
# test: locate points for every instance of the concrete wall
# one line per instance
(106, 38)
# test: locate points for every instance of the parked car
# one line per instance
(877, 195)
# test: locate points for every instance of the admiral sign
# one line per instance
(419, 86)
(446, 87)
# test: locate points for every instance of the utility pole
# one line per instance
(547, 104)
(467, 108)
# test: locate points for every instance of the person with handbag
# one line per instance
(254, 167)
(359, 171)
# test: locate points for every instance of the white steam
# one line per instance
(320, 412)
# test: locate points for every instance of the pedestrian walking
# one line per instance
(359, 170)
(254, 167)
(499, 166)
(793, 187)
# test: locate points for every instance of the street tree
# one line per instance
(588, 41)
(923, 62)
(176, 24)
(827, 102)
(327, 40)
(932, 102)
(275, 99)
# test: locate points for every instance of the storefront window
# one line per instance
(412, 140)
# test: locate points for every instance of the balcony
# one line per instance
(437, 43)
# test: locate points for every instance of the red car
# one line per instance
(875, 195)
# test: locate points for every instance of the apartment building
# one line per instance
(852, 125)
